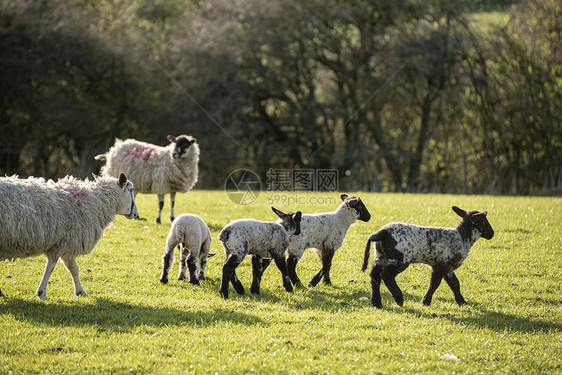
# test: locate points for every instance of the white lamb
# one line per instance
(264, 240)
(325, 233)
(155, 169)
(61, 220)
(193, 238)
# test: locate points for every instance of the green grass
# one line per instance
(130, 323)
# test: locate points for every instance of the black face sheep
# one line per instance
(397, 245)
(325, 233)
(61, 220)
(154, 169)
(264, 241)
(193, 238)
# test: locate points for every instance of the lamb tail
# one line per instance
(367, 252)
(100, 157)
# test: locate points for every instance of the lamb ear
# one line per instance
(344, 196)
(278, 212)
(462, 213)
(95, 176)
(122, 179)
(297, 217)
(354, 202)
(171, 138)
(193, 140)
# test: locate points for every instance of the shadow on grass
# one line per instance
(483, 318)
(109, 315)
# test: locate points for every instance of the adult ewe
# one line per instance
(154, 169)
(397, 245)
(61, 220)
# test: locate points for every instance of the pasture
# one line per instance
(130, 323)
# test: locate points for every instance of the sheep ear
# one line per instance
(95, 176)
(193, 140)
(171, 138)
(354, 202)
(278, 212)
(297, 217)
(344, 196)
(462, 213)
(122, 179)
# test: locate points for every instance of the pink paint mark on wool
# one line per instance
(79, 192)
(139, 153)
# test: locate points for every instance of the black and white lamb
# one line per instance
(155, 169)
(397, 245)
(61, 220)
(193, 238)
(325, 233)
(265, 241)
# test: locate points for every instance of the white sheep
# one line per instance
(155, 169)
(264, 240)
(325, 233)
(61, 220)
(193, 238)
(397, 245)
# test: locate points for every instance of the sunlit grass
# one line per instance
(130, 323)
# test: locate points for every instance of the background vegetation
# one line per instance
(416, 96)
(130, 323)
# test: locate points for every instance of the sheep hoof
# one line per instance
(81, 293)
(460, 303)
(181, 277)
(224, 294)
(158, 221)
(42, 295)
(164, 280)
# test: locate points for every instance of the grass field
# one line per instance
(130, 323)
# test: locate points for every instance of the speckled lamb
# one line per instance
(193, 238)
(61, 220)
(397, 245)
(264, 240)
(154, 169)
(325, 233)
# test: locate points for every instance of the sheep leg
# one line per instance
(259, 265)
(316, 278)
(172, 203)
(160, 207)
(49, 267)
(292, 267)
(389, 273)
(436, 277)
(229, 275)
(376, 278)
(72, 267)
(327, 265)
(168, 261)
(203, 255)
(192, 265)
(257, 272)
(282, 265)
(455, 286)
(236, 283)
(184, 254)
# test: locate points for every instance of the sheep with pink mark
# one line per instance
(397, 245)
(154, 169)
(61, 219)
